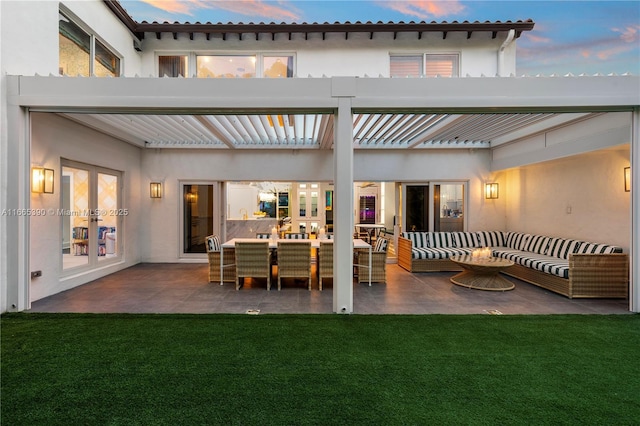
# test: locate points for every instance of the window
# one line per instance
(80, 53)
(172, 66)
(441, 65)
(406, 66)
(429, 65)
(277, 66)
(226, 66)
(242, 66)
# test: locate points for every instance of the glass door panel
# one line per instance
(107, 216)
(448, 207)
(314, 204)
(417, 208)
(75, 217)
(197, 217)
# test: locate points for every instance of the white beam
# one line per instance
(554, 121)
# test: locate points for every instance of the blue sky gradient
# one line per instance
(577, 37)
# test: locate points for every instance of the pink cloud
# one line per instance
(271, 10)
(424, 9)
(538, 39)
(629, 34)
(172, 6)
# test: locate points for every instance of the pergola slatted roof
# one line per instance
(315, 131)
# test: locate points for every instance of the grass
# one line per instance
(319, 369)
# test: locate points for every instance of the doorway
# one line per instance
(90, 202)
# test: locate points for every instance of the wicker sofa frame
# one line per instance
(590, 275)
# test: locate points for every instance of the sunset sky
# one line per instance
(578, 37)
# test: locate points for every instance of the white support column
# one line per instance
(18, 198)
(634, 257)
(343, 202)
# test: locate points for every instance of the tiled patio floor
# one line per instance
(184, 288)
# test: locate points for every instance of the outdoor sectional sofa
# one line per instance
(569, 267)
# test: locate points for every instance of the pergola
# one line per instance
(340, 114)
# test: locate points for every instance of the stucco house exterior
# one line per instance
(104, 107)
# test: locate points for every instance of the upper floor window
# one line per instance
(277, 66)
(172, 66)
(226, 66)
(429, 65)
(81, 53)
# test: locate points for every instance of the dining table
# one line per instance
(373, 229)
(273, 245)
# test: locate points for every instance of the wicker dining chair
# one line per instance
(253, 260)
(294, 261)
(213, 253)
(378, 262)
(325, 262)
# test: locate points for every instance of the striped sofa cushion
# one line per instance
(381, 244)
(465, 239)
(538, 244)
(438, 253)
(440, 240)
(562, 247)
(490, 239)
(213, 243)
(593, 248)
(540, 262)
(517, 240)
(418, 239)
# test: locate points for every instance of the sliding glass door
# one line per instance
(435, 206)
(197, 217)
(91, 216)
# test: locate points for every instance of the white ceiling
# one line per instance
(315, 131)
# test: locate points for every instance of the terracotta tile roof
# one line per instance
(208, 28)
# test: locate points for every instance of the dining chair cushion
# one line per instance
(296, 236)
(381, 244)
(213, 243)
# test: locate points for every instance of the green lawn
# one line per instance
(72, 369)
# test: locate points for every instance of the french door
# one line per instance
(91, 216)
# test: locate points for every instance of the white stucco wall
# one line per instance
(54, 138)
(335, 56)
(580, 197)
(30, 35)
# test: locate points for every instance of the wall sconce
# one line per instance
(192, 197)
(627, 179)
(42, 180)
(491, 190)
(155, 189)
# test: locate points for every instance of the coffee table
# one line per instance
(482, 274)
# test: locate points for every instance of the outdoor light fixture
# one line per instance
(627, 179)
(41, 180)
(155, 190)
(192, 197)
(491, 190)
